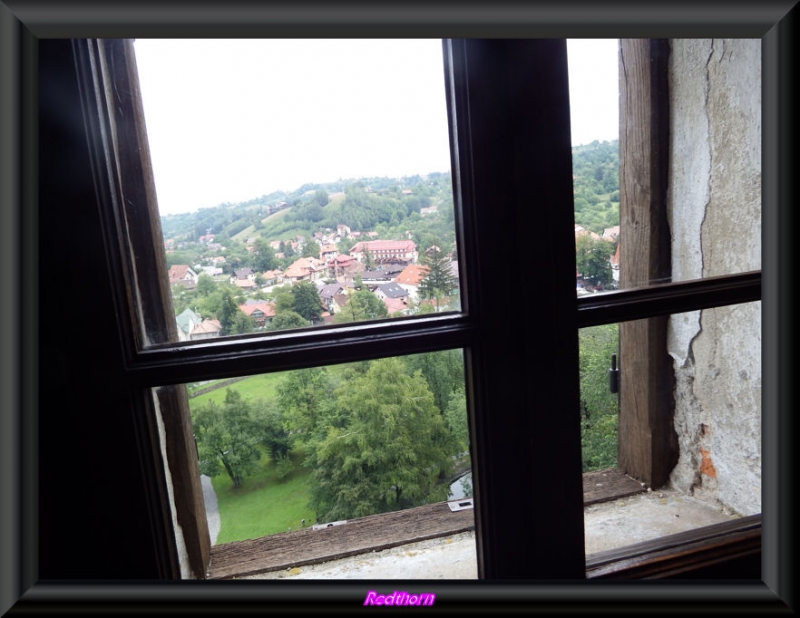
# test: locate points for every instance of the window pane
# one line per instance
(300, 182)
(713, 378)
(711, 212)
(312, 449)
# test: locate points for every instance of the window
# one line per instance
(517, 399)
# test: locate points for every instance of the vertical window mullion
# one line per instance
(514, 136)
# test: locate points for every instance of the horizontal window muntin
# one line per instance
(313, 347)
(651, 301)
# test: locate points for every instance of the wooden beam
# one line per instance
(647, 439)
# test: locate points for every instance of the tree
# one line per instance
(306, 300)
(439, 281)
(286, 320)
(369, 261)
(304, 399)
(227, 314)
(443, 371)
(456, 416)
(226, 439)
(592, 259)
(264, 259)
(271, 430)
(362, 305)
(321, 197)
(242, 323)
(390, 452)
(205, 285)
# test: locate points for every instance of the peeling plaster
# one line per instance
(714, 210)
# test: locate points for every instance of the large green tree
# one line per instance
(305, 399)
(287, 320)
(264, 256)
(306, 300)
(226, 438)
(443, 371)
(439, 282)
(592, 259)
(362, 305)
(390, 451)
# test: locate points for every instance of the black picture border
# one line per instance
(22, 23)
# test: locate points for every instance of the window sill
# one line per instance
(377, 532)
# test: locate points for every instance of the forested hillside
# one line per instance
(390, 206)
(595, 168)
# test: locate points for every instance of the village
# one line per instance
(389, 269)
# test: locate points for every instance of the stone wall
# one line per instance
(714, 199)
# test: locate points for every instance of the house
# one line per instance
(582, 231)
(192, 327)
(261, 311)
(611, 233)
(212, 271)
(180, 273)
(338, 302)
(392, 290)
(410, 278)
(342, 265)
(242, 274)
(304, 269)
(328, 252)
(244, 284)
(272, 277)
(383, 251)
(615, 265)
(396, 305)
(327, 292)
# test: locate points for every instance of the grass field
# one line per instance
(263, 504)
(274, 227)
(252, 388)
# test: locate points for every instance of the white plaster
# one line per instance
(714, 209)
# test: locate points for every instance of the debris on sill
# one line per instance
(460, 505)
(329, 525)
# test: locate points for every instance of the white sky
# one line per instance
(273, 115)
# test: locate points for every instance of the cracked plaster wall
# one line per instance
(714, 201)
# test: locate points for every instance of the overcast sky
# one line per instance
(270, 115)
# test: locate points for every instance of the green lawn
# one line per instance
(252, 388)
(263, 504)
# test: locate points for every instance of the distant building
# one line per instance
(383, 251)
(192, 327)
(261, 311)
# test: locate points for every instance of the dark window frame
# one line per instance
(496, 141)
(775, 50)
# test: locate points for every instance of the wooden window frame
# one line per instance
(588, 313)
(647, 452)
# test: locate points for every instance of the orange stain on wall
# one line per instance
(706, 465)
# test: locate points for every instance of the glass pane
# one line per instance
(300, 182)
(713, 191)
(713, 377)
(594, 116)
(294, 454)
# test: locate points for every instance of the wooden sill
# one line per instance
(376, 532)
